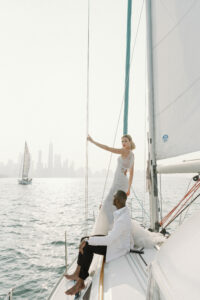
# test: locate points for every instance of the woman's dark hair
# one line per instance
(120, 195)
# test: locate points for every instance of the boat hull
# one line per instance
(25, 181)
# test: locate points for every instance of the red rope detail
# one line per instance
(195, 187)
(183, 205)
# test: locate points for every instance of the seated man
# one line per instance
(118, 242)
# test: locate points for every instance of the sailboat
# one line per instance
(26, 167)
(169, 272)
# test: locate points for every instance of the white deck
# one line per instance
(124, 278)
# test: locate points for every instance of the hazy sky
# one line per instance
(43, 69)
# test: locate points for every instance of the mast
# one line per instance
(153, 193)
(128, 44)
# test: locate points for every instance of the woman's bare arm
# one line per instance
(122, 151)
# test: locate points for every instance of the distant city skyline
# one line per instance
(53, 166)
(43, 79)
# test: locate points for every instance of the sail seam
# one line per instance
(167, 10)
(179, 96)
(176, 25)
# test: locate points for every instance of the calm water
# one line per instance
(34, 219)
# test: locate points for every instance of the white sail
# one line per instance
(26, 163)
(176, 76)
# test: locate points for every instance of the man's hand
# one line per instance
(81, 246)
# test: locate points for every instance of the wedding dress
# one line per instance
(104, 222)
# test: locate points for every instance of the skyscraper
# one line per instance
(57, 166)
(50, 160)
(39, 170)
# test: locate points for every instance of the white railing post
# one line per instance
(66, 250)
(10, 294)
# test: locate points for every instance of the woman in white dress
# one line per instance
(121, 181)
(125, 165)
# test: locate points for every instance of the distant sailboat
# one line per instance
(26, 167)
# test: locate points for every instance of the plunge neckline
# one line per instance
(126, 156)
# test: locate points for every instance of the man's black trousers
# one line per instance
(85, 259)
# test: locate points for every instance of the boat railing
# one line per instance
(101, 281)
(9, 295)
(66, 250)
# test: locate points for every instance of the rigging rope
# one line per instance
(182, 210)
(140, 203)
(87, 113)
(181, 203)
(180, 220)
(145, 142)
